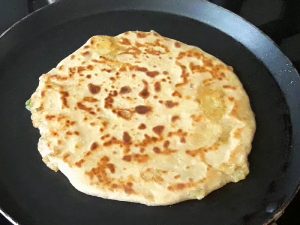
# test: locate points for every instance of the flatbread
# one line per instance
(143, 118)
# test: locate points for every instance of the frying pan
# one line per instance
(32, 194)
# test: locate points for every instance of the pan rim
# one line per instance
(265, 55)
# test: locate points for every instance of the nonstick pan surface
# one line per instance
(31, 194)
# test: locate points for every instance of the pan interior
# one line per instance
(49, 199)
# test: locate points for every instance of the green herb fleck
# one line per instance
(28, 104)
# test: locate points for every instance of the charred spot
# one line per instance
(94, 89)
(142, 109)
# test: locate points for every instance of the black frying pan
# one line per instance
(31, 194)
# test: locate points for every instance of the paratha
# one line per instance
(143, 118)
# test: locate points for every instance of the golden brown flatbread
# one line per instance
(143, 118)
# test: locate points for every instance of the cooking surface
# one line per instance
(278, 18)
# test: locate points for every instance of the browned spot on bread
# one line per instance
(156, 149)
(197, 68)
(111, 167)
(177, 94)
(140, 158)
(142, 126)
(64, 97)
(238, 133)
(66, 156)
(184, 75)
(177, 44)
(124, 113)
(230, 98)
(125, 41)
(127, 158)
(177, 187)
(50, 117)
(141, 35)
(54, 133)
(128, 188)
(142, 109)
(125, 90)
(85, 108)
(166, 144)
(94, 89)
(126, 138)
(152, 73)
(197, 118)
(94, 146)
(81, 69)
(86, 53)
(80, 162)
(171, 104)
(158, 129)
(157, 86)
(145, 93)
(104, 159)
(182, 140)
(175, 118)
(90, 99)
(62, 67)
(229, 87)
(176, 176)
